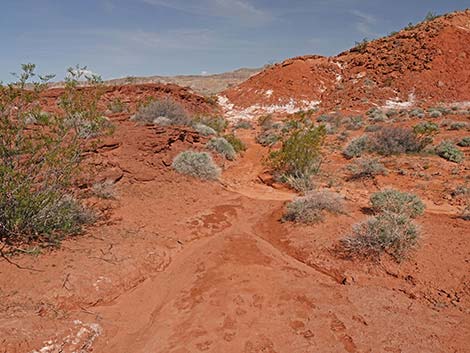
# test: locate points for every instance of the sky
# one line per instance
(119, 38)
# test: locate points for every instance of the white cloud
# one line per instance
(240, 10)
(365, 23)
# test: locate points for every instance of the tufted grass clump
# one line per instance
(391, 233)
(196, 164)
(395, 201)
(312, 207)
(448, 150)
(162, 112)
(223, 147)
(356, 147)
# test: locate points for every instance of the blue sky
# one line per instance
(117, 38)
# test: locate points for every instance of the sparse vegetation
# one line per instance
(391, 233)
(218, 123)
(152, 112)
(311, 207)
(104, 190)
(397, 202)
(465, 142)
(354, 123)
(448, 150)
(223, 147)
(236, 143)
(196, 164)
(268, 139)
(356, 147)
(301, 184)
(38, 163)
(116, 106)
(243, 124)
(361, 46)
(300, 154)
(365, 168)
(392, 140)
(204, 130)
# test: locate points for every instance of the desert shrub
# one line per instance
(243, 124)
(301, 183)
(458, 125)
(117, 106)
(417, 113)
(354, 123)
(162, 121)
(395, 140)
(223, 147)
(311, 207)
(218, 123)
(166, 108)
(366, 168)
(372, 128)
(356, 147)
(392, 113)
(300, 153)
(39, 163)
(465, 142)
(425, 132)
(204, 130)
(391, 233)
(104, 190)
(376, 115)
(87, 129)
(447, 150)
(196, 164)
(236, 143)
(397, 202)
(430, 16)
(361, 46)
(268, 138)
(265, 121)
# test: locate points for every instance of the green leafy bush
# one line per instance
(397, 202)
(196, 164)
(236, 143)
(391, 233)
(311, 207)
(300, 153)
(364, 168)
(39, 162)
(356, 147)
(223, 147)
(447, 150)
(166, 108)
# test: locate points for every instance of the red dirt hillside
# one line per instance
(434, 53)
(132, 95)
